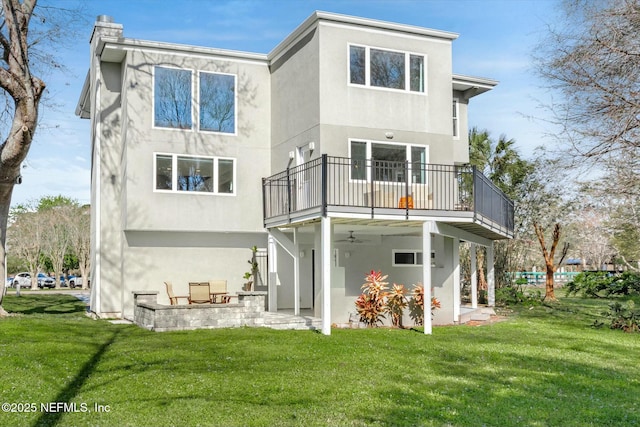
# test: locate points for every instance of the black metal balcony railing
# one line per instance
(396, 187)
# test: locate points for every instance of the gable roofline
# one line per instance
(317, 16)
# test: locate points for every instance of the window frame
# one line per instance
(456, 118)
(235, 103)
(407, 69)
(414, 252)
(368, 150)
(174, 174)
(153, 100)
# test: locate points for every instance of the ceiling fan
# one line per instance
(351, 239)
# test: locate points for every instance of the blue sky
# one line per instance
(496, 40)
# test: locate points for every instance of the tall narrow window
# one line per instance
(225, 176)
(357, 65)
(418, 164)
(164, 172)
(416, 65)
(455, 119)
(217, 102)
(172, 98)
(358, 160)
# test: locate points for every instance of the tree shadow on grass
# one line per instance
(74, 387)
(43, 304)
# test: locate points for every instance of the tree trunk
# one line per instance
(6, 189)
(549, 291)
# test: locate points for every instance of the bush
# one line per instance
(625, 317)
(593, 284)
(517, 294)
(589, 284)
(371, 304)
(627, 283)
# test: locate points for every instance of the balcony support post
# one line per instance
(325, 249)
(427, 226)
(473, 255)
(491, 277)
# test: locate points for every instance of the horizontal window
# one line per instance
(388, 162)
(180, 173)
(174, 99)
(403, 257)
(386, 69)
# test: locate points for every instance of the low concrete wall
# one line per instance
(148, 314)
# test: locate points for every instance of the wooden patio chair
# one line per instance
(173, 299)
(219, 292)
(199, 293)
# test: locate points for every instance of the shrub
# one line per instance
(517, 294)
(589, 284)
(625, 317)
(371, 303)
(396, 303)
(416, 305)
(626, 283)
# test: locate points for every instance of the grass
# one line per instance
(545, 366)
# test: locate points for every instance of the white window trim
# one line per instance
(174, 176)
(407, 67)
(153, 100)
(457, 117)
(368, 143)
(409, 251)
(235, 103)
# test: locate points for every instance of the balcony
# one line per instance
(387, 190)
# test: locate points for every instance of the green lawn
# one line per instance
(544, 366)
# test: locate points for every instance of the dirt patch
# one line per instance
(491, 320)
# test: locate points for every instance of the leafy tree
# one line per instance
(26, 44)
(502, 163)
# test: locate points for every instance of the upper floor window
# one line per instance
(456, 130)
(386, 68)
(194, 174)
(172, 98)
(388, 162)
(215, 100)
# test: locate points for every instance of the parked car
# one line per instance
(45, 281)
(71, 281)
(9, 282)
(24, 279)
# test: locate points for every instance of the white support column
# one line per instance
(273, 273)
(426, 275)
(474, 274)
(296, 273)
(491, 278)
(325, 261)
(456, 280)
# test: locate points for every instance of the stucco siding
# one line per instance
(148, 209)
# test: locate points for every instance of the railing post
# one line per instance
(406, 188)
(288, 194)
(372, 190)
(474, 188)
(324, 185)
(264, 203)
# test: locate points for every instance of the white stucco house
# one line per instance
(343, 150)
